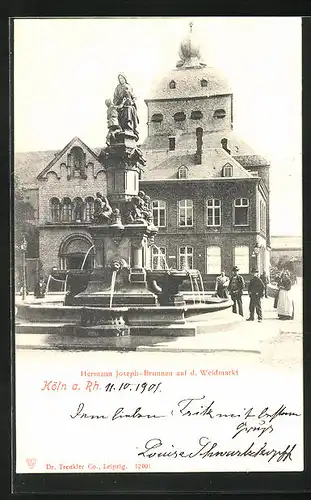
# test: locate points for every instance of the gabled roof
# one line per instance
(28, 165)
(165, 167)
(75, 141)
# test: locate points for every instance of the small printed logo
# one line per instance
(31, 462)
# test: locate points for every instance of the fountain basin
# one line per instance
(85, 321)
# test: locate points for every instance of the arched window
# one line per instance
(182, 172)
(55, 210)
(89, 208)
(172, 84)
(66, 210)
(185, 213)
(203, 83)
(78, 209)
(76, 162)
(227, 170)
(219, 113)
(185, 257)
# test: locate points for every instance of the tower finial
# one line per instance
(189, 51)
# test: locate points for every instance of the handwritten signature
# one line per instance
(209, 449)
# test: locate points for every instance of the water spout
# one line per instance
(86, 256)
(191, 283)
(202, 286)
(48, 284)
(113, 281)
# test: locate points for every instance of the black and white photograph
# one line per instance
(158, 245)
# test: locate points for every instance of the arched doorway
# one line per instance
(73, 251)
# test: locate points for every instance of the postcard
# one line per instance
(158, 247)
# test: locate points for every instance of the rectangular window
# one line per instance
(185, 258)
(185, 213)
(171, 143)
(159, 213)
(241, 259)
(241, 207)
(159, 258)
(213, 260)
(213, 212)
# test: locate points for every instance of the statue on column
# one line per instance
(102, 210)
(112, 121)
(124, 100)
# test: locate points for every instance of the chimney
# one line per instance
(198, 154)
(224, 143)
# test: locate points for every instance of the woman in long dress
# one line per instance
(285, 302)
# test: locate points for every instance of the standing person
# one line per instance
(264, 278)
(39, 290)
(236, 285)
(222, 283)
(255, 291)
(285, 306)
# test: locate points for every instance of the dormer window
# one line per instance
(157, 117)
(219, 113)
(171, 143)
(227, 170)
(196, 115)
(179, 117)
(172, 84)
(203, 83)
(182, 172)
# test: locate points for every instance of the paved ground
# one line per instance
(273, 343)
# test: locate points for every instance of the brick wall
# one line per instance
(227, 236)
(206, 105)
(60, 188)
(50, 241)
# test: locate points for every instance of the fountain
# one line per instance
(122, 294)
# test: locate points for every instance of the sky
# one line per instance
(64, 69)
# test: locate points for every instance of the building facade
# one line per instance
(209, 190)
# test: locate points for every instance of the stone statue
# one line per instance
(102, 209)
(116, 218)
(136, 156)
(139, 210)
(127, 110)
(112, 121)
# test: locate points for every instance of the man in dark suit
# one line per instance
(256, 292)
(264, 278)
(235, 288)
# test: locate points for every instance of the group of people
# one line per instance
(257, 289)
